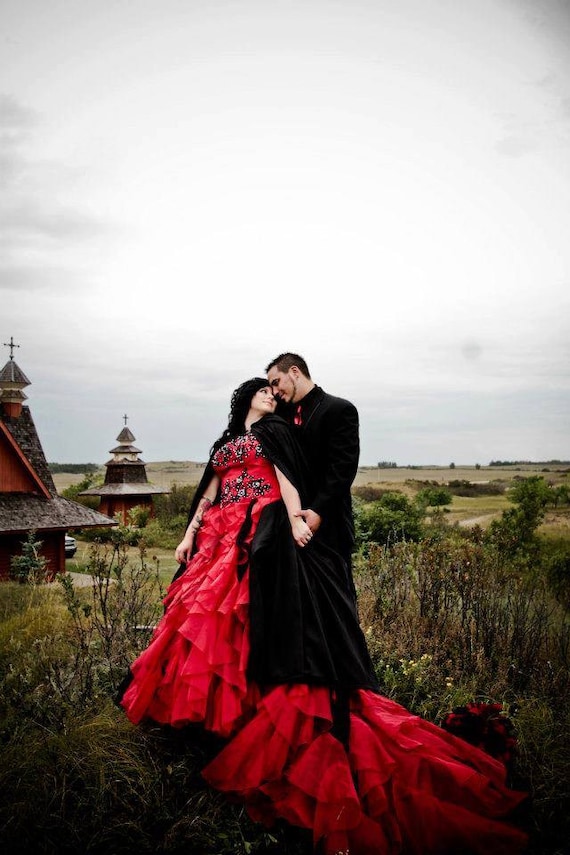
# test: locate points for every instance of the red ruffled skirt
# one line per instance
(402, 786)
(194, 669)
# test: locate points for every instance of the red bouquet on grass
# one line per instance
(484, 725)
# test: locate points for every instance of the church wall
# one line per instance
(53, 548)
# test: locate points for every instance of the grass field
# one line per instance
(463, 510)
(166, 473)
(480, 510)
(167, 563)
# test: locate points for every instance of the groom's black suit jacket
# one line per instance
(329, 437)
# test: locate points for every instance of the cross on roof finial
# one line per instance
(126, 418)
(11, 345)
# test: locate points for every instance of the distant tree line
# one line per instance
(528, 462)
(73, 468)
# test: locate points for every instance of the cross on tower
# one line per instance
(11, 345)
(125, 418)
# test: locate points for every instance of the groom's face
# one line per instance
(283, 385)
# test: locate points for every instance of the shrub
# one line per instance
(30, 566)
(561, 496)
(91, 479)
(470, 489)
(389, 519)
(482, 620)
(556, 562)
(369, 492)
(433, 497)
(168, 506)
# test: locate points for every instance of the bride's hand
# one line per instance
(302, 534)
(184, 548)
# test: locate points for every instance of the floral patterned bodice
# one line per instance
(245, 473)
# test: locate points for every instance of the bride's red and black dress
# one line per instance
(260, 643)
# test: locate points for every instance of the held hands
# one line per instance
(312, 519)
(302, 534)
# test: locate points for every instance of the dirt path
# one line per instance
(80, 580)
(485, 518)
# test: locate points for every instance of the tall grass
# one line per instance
(447, 621)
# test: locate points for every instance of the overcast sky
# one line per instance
(189, 187)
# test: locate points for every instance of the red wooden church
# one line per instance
(126, 484)
(28, 497)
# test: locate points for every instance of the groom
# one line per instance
(327, 429)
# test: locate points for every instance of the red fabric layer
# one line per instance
(404, 785)
(194, 667)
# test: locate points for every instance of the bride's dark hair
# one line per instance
(239, 408)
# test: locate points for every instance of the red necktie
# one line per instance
(297, 418)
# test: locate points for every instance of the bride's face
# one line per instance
(263, 401)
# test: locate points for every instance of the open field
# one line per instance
(443, 474)
(465, 511)
(166, 473)
(165, 557)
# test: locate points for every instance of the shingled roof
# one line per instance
(13, 374)
(24, 433)
(28, 497)
(20, 512)
(126, 472)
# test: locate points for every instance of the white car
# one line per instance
(70, 546)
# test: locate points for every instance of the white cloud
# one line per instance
(381, 187)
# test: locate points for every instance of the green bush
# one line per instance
(556, 562)
(156, 534)
(369, 492)
(91, 479)
(389, 519)
(470, 489)
(433, 497)
(30, 566)
(173, 505)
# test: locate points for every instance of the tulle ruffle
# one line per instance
(403, 786)
(194, 669)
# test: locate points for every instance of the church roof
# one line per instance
(25, 435)
(126, 436)
(29, 498)
(126, 472)
(21, 512)
(12, 373)
(136, 488)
